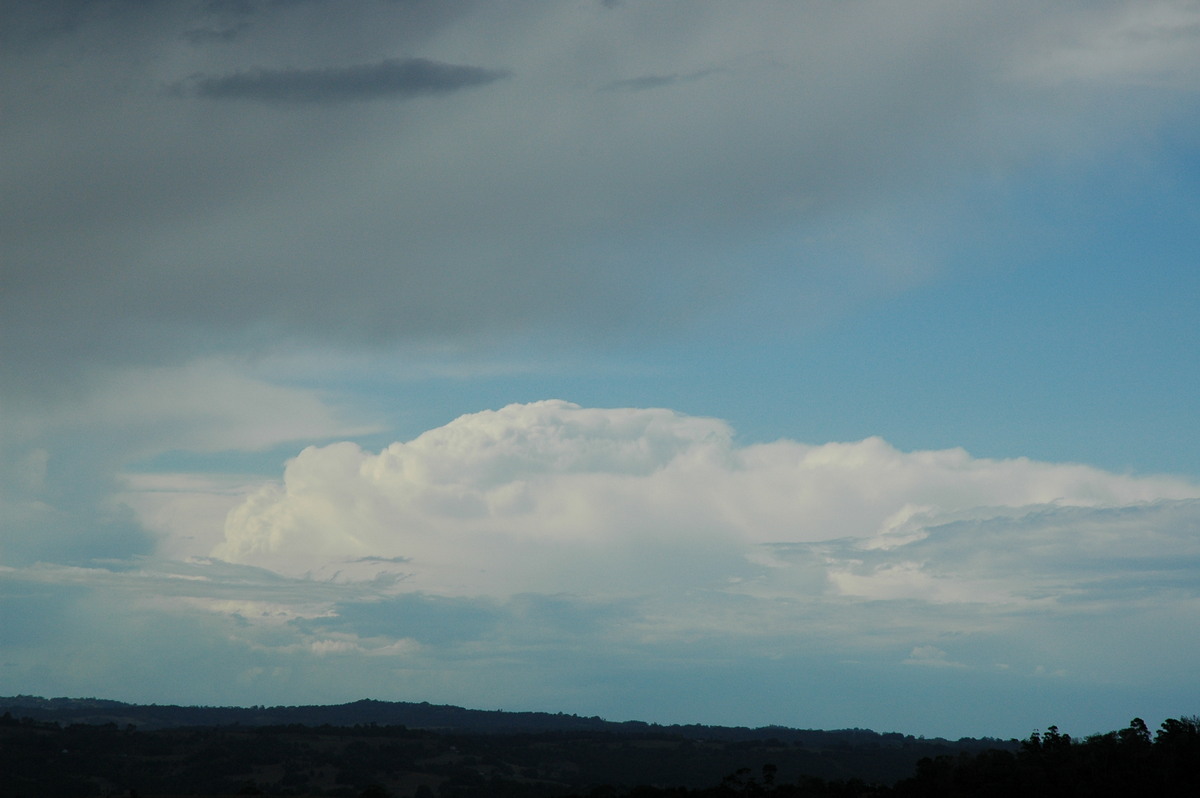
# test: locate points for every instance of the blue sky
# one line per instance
(821, 364)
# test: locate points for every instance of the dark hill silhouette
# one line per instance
(78, 748)
(434, 717)
(364, 712)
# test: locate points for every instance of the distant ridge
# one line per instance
(98, 711)
(432, 717)
(91, 746)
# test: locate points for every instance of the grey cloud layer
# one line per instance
(145, 228)
(394, 77)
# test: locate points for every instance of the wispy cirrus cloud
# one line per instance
(645, 82)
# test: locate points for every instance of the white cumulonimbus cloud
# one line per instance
(551, 496)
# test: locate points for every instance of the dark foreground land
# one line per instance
(69, 747)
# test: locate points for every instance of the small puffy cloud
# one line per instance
(930, 656)
(552, 497)
(396, 78)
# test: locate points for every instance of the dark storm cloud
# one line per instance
(399, 78)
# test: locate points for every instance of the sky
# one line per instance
(823, 364)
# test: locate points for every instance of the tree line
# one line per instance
(1050, 764)
(40, 759)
